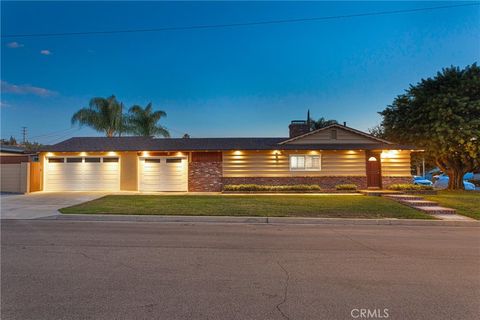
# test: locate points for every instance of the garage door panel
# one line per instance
(80, 176)
(163, 176)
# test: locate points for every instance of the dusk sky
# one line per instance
(223, 82)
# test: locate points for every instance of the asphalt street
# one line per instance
(53, 269)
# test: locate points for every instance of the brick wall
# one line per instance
(324, 182)
(205, 176)
(386, 180)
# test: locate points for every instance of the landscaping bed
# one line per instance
(326, 206)
(323, 191)
(297, 188)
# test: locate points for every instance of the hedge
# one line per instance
(257, 187)
(346, 186)
(408, 187)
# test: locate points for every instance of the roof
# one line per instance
(91, 144)
(336, 125)
(12, 149)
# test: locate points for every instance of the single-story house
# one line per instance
(329, 156)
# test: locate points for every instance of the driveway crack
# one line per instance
(285, 292)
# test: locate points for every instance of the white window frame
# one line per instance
(305, 156)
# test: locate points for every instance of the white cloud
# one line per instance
(46, 52)
(15, 45)
(3, 104)
(25, 89)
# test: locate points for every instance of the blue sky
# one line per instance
(244, 81)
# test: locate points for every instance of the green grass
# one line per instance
(331, 206)
(466, 203)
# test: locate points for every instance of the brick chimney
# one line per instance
(298, 127)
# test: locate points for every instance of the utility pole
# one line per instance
(24, 134)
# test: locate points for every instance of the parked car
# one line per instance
(442, 183)
(421, 181)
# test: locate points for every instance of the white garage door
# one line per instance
(82, 174)
(163, 174)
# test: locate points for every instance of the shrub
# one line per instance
(347, 186)
(409, 187)
(257, 187)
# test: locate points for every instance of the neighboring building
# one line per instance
(329, 156)
(14, 169)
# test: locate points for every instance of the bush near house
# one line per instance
(346, 187)
(257, 187)
(409, 187)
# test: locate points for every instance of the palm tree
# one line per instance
(322, 123)
(103, 115)
(143, 121)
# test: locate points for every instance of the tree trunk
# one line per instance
(455, 181)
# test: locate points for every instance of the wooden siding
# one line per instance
(396, 163)
(324, 137)
(206, 157)
(268, 164)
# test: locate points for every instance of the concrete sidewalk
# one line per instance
(262, 220)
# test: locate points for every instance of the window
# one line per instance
(55, 160)
(110, 159)
(72, 160)
(174, 160)
(333, 134)
(152, 160)
(305, 162)
(92, 160)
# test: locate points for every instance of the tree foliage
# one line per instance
(102, 114)
(106, 115)
(144, 121)
(322, 123)
(442, 116)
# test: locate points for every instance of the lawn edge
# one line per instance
(259, 220)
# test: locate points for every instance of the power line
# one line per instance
(241, 24)
(53, 133)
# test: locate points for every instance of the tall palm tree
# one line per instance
(322, 123)
(103, 115)
(143, 121)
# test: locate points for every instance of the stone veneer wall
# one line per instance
(324, 182)
(205, 177)
(387, 181)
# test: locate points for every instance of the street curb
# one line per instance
(261, 220)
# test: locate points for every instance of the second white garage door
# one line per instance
(163, 174)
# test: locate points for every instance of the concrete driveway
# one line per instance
(41, 204)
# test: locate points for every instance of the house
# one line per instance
(329, 156)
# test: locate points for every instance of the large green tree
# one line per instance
(102, 114)
(441, 115)
(144, 121)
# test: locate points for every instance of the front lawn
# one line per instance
(328, 206)
(465, 202)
